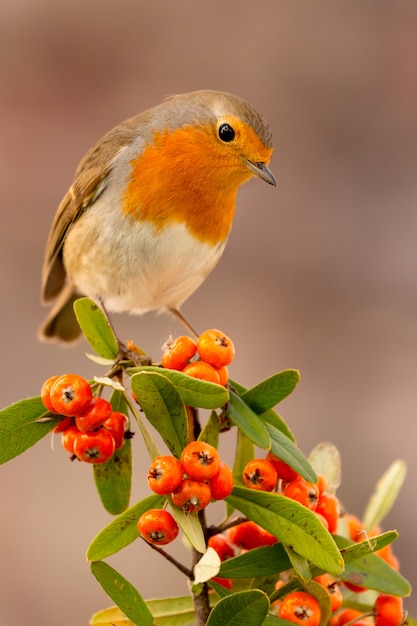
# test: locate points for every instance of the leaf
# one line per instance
(191, 527)
(122, 592)
(96, 328)
(19, 429)
(113, 479)
(384, 495)
(323, 598)
(210, 432)
(244, 608)
(373, 572)
(299, 564)
(194, 392)
(292, 523)
(273, 620)
(163, 408)
(243, 417)
(255, 563)
(207, 567)
(268, 393)
(112, 616)
(287, 450)
(121, 531)
(325, 459)
(356, 551)
(177, 611)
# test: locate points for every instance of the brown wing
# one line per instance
(90, 174)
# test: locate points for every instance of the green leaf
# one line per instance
(325, 459)
(288, 451)
(122, 592)
(210, 432)
(121, 531)
(191, 527)
(373, 572)
(299, 564)
(266, 394)
(177, 611)
(113, 480)
(255, 563)
(384, 495)
(355, 551)
(292, 523)
(163, 407)
(96, 328)
(243, 417)
(194, 392)
(244, 608)
(19, 429)
(272, 620)
(323, 598)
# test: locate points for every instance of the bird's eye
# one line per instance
(226, 132)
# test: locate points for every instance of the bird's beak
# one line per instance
(260, 169)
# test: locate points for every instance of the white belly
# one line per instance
(131, 266)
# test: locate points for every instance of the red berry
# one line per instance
(158, 526)
(97, 412)
(94, 447)
(164, 474)
(70, 395)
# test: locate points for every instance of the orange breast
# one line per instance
(184, 176)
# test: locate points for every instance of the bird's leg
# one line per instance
(177, 313)
(124, 351)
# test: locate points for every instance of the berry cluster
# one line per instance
(273, 474)
(206, 359)
(198, 477)
(90, 430)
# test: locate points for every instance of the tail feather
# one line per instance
(61, 324)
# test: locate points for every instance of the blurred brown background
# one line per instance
(320, 274)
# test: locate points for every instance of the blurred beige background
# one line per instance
(320, 273)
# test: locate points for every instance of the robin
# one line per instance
(151, 207)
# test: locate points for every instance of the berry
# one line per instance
(157, 526)
(118, 425)
(284, 471)
(68, 438)
(304, 492)
(94, 447)
(215, 348)
(202, 371)
(221, 485)
(333, 589)
(70, 395)
(200, 460)
(328, 507)
(178, 352)
(63, 425)
(164, 474)
(388, 610)
(191, 495)
(222, 545)
(301, 608)
(97, 412)
(260, 474)
(46, 393)
(249, 535)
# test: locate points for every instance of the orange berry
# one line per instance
(333, 589)
(202, 371)
(63, 425)
(97, 412)
(304, 492)
(118, 425)
(70, 394)
(94, 447)
(221, 485)
(200, 460)
(354, 527)
(178, 352)
(261, 475)
(164, 474)
(249, 535)
(388, 610)
(222, 545)
(321, 483)
(284, 471)
(46, 393)
(301, 608)
(328, 507)
(191, 495)
(344, 616)
(157, 526)
(215, 348)
(223, 373)
(68, 438)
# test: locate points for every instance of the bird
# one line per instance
(150, 208)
